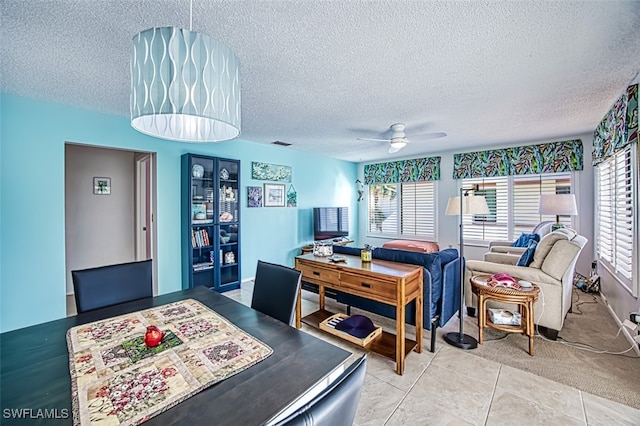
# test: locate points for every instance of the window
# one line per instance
(513, 205)
(402, 210)
(615, 222)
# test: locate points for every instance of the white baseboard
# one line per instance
(625, 331)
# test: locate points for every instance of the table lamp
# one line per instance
(558, 205)
(461, 205)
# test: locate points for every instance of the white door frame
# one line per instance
(145, 208)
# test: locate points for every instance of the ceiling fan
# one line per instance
(398, 138)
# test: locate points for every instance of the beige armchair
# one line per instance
(552, 269)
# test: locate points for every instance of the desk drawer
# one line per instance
(384, 291)
(317, 274)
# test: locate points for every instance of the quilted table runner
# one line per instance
(117, 380)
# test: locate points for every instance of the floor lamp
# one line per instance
(460, 205)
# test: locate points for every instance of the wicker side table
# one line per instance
(523, 298)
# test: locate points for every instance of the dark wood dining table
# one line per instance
(35, 384)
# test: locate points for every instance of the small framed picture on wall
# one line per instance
(274, 195)
(102, 185)
(254, 196)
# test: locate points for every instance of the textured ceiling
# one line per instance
(320, 74)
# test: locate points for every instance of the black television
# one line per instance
(330, 222)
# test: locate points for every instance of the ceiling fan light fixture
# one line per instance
(399, 144)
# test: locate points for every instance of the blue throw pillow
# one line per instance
(524, 239)
(527, 256)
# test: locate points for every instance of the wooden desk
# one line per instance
(35, 368)
(388, 282)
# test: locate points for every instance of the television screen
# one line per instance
(330, 222)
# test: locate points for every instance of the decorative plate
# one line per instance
(197, 170)
(224, 174)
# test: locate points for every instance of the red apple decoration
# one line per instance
(153, 336)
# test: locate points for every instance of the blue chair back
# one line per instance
(104, 286)
(275, 291)
(336, 405)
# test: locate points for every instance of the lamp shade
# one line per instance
(471, 204)
(185, 86)
(558, 204)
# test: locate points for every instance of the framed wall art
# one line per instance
(266, 171)
(254, 196)
(102, 185)
(292, 197)
(274, 195)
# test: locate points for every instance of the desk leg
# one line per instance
(299, 309)
(321, 297)
(400, 329)
(419, 322)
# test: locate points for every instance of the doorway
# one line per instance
(104, 227)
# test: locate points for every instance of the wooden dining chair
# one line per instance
(275, 290)
(336, 405)
(104, 286)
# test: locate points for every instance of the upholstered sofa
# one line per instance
(552, 269)
(441, 289)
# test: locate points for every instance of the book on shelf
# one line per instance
(201, 266)
(201, 221)
(200, 238)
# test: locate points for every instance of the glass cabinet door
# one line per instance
(228, 195)
(229, 207)
(202, 190)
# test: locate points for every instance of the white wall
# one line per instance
(99, 229)
(447, 226)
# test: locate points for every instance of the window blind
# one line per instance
(494, 225)
(513, 205)
(615, 220)
(417, 210)
(402, 210)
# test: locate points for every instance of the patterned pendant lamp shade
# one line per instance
(185, 86)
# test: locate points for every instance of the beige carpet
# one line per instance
(590, 326)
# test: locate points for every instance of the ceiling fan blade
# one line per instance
(373, 140)
(427, 136)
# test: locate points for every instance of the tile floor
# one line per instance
(452, 387)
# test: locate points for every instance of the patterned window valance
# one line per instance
(416, 170)
(618, 128)
(554, 157)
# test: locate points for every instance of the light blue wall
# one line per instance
(32, 138)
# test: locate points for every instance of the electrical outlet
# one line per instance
(631, 326)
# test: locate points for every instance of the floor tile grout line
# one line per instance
(493, 394)
(410, 388)
(584, 408)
